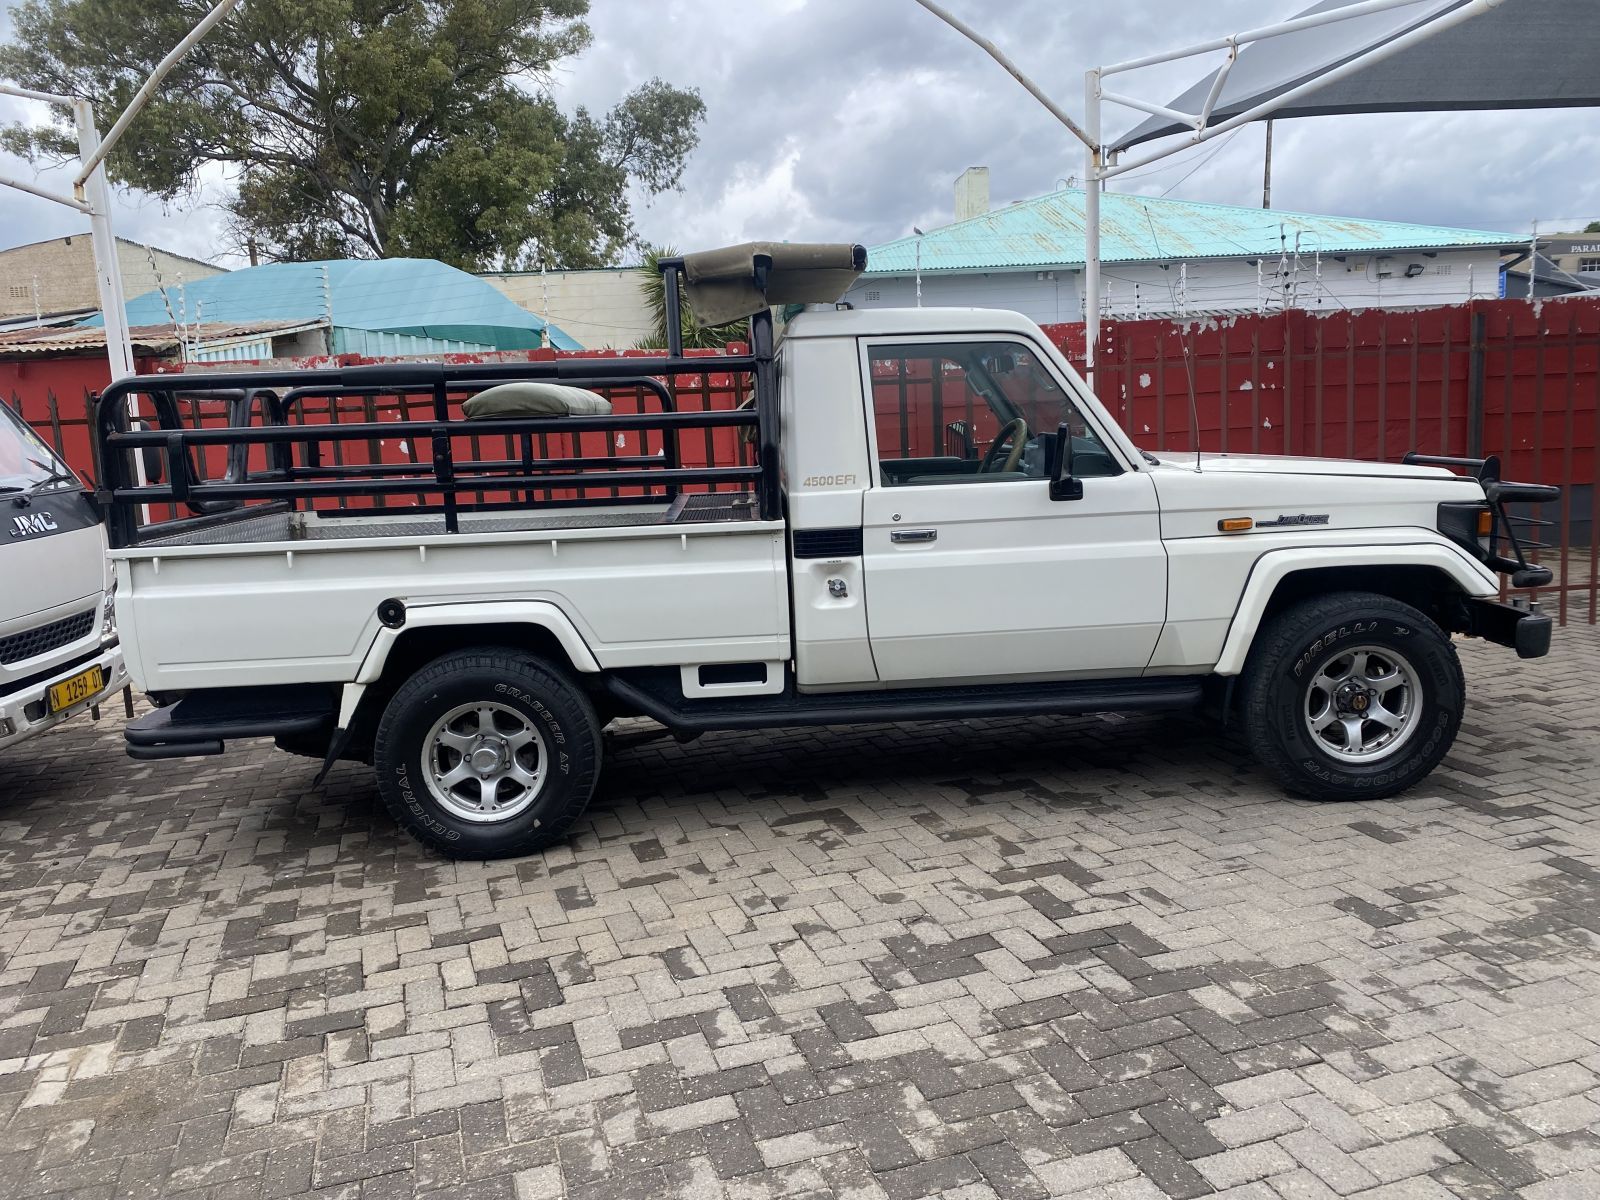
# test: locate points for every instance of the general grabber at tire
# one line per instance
(488, 753)
(1351, 696)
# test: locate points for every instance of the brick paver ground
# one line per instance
(1095, 957)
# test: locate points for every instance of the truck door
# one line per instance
(972, 571)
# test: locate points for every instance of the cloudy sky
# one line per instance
(850, 119)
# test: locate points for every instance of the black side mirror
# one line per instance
(1063, 484)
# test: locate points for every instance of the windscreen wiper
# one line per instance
(57, 475)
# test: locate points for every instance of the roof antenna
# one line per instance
(1186, 340)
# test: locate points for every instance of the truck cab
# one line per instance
(58, 644)
(915, 515)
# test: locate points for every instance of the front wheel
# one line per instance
(1352, 696)
(487, 753)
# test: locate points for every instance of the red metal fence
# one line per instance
(1501, 377)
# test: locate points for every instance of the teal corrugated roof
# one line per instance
(1049, 232)
(417, 296)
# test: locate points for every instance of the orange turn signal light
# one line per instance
(1485, 523)
(1235, 524)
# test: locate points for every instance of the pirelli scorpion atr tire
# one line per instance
(1351, 696)
(487, 753)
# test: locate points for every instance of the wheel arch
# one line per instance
(432, 630)
(1431, 578)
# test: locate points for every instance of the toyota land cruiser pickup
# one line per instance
(929, 517)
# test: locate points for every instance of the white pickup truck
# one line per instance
(935, 519)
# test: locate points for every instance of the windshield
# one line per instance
(26, 462)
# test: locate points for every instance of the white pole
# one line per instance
(143, 95)
(1091, 225)
(108, 278)
(919, 268)
(1034, 90)
(34, 189)
(108, 272)
(1533, 260)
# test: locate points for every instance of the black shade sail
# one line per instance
(1522, 54)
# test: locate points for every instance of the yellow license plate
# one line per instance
(77, 689)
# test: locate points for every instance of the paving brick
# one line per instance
(820, 962)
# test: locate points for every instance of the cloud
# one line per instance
(850, 120)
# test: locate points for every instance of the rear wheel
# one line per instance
(1352, 696)
(487, 753)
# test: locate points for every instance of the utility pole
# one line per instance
(1266, 172)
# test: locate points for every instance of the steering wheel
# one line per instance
(1015, 431)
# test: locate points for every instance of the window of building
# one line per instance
(973, 412)
(1589, 266)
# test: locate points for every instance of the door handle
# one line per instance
(913, 535)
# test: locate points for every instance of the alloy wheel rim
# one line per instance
(484, 762)
(1362, 704)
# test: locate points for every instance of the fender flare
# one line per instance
(539, 613)
(1272, 568)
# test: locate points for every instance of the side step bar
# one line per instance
(792, 708)
(202, 721)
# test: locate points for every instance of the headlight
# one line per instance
(108, 615)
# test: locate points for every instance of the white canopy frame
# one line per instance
(91, 193)
(1098, 167)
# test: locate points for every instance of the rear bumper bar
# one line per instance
(1525, 631)
(202, 722)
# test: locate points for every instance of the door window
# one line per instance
(972, 412)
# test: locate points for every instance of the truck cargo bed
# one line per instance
(379, 523)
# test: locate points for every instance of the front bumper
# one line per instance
(24, 713)
(1524, 630)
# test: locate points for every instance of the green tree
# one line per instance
(366, 128)
(695, 335)
(1592, 227)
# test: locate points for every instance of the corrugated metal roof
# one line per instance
(392, 295)
(1049, 232)
(150, 339)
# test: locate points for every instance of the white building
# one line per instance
(603, 308)
(58, 275)
(1175, 257)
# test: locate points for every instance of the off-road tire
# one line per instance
(514, 679)
(1289, 650)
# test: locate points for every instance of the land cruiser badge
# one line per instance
(32, 523)
(1296, 519)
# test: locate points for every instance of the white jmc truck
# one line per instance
(58, 637)
(926, 515)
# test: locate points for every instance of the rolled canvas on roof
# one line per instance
(721, 284)
(1522, 54)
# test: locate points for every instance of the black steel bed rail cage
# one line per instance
(440, 469)
(725, 285)
(1499, 493)
(171, 445)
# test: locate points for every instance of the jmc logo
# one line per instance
(39, 522)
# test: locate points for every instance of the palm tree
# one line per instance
(695, 335)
